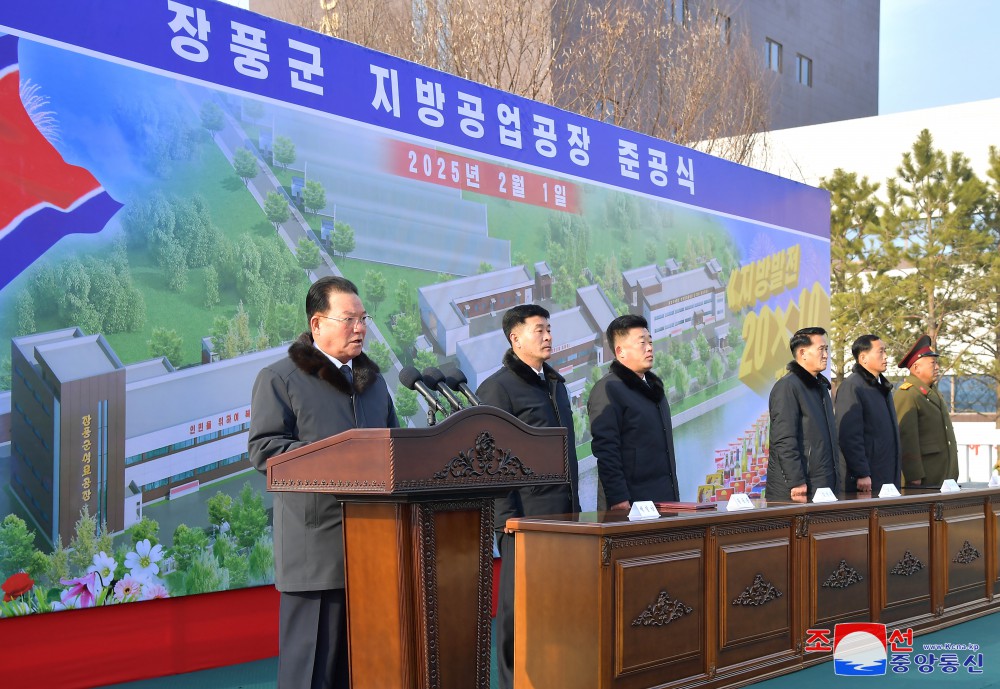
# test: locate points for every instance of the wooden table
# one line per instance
(719, 599)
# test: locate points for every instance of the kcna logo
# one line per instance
(859, 649)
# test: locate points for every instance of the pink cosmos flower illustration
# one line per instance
(151, 591)
(128, 589)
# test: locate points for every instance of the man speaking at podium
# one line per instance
(324, 387)
(528, 388)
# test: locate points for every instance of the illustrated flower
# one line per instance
(83, 590)
(142, 561)
(128, 589)
(105, 566)
(16, 585)
(151, 591)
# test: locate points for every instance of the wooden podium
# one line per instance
(418, 527)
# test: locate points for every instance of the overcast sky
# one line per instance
(938, 52)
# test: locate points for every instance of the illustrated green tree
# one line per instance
(424, 359)
(174, 264)
(212, 118)
(405, 297)
(933, 204)
(143, 529)
(406, 402)
(284, 151)
(205, 575)
(89, 538)
(248, 517)
(342, 239)
(245, 165)
(260, 562)
(24, 308)
(314, 196)
(188, 542)
(307, 253)
(164, 342)
(701, 344)
(374, 288)
(485, 267)
(716, 369)
(406, 331)
(379, 353)
(284, 322)
(17, 544)
(253, 110)
(650, 252)
(211, 294)
(682, 381)
(219, 509)
(276, 209)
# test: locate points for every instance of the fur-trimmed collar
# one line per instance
(528, 374)
(653, 391)
(304, 354)
(883, 385)
(806, 377)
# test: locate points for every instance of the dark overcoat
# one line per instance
(519, 391)
(297, 401)
(867, 430)
(803, 444)
(633, 440)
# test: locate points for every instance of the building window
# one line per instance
(679, 11)
(804, 70)
(722, 25)
(772, 54)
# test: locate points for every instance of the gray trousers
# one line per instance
(312, 640)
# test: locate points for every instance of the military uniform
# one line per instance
(926, 435)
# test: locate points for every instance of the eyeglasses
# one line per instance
(363, 321)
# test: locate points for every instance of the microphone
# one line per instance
(456, 380)
(435, 379)
(410, 377)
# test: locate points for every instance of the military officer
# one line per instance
(927, 438)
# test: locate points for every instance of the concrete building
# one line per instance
(87, 430)
(823, 57)
(448, 309)
(674, 302)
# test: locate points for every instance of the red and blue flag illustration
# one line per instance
(42, 197)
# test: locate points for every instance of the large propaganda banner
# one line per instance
(173, 174)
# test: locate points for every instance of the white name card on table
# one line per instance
(644, 509)
(888, 491)
(994, 479)
(824, 495)
(739, 501)
(950, 486)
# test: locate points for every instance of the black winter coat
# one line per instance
(297, 401)
(633, 439)
(867, 430)
(803, 445)
(518, 390)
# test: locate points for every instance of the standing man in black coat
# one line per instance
(803, 448)
(866, 421)
(325, 386)
(528, 388)
(633, 440)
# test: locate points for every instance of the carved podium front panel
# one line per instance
(418, 537)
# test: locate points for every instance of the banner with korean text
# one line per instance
(173, 175)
